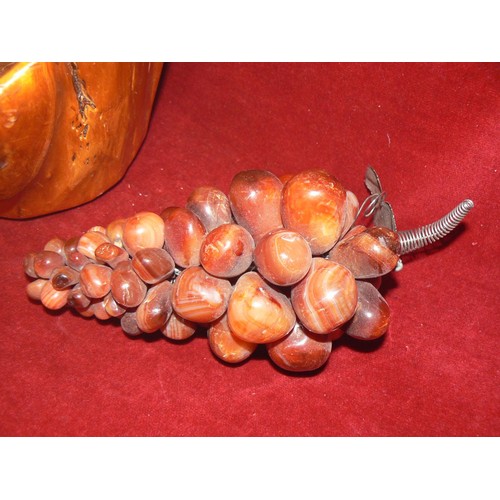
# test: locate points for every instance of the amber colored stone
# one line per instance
(211, 206)
(368, 254)
(55, 245)
(184, 234)
(29, 264)
(372, 316)
(74, 258)
(127, 288)
(112, 307)
(301, 350)
(178, 328)
(313, 204)
(89, 241)
(227, 251)
(77, 299)
(227, 346)
(99, 310)
(45, 262)
(34, 289)
(326, 298)
(257, 313)
(153, 265)
(114, 232)
(155, 309)
(53, 299)
(255, 197)
(77, 260)
(200, 297)
(351, 211)
(129, 325)
(64, 277)
(143, 230)
(283, 257)
(95, 280)
(110, 254)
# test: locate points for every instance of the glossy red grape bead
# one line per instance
(178, 328)
(367, 254)
(153, 265)
(326, 298)
(114, 232)
(127, 288)
(255, 197)
(89, 241)
(211, 206)
(55, 245)
(95, 280)
(257, 313)
(34, 289)
(112, 307)
(110, 254)
(225, 345)
(184, 234)
(45, 262)
(64, 277)
(155, 309)
(301, 350)
(77, 299)
(313, 204)
(200, 297)
(129, 325)
(53, 299)
(372, 316)
(143, 230)
(227, 251)
(283, 257)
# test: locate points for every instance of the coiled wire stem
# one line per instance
(415, 239)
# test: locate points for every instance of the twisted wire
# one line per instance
(413, 239)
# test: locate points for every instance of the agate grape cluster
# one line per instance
(277, 261)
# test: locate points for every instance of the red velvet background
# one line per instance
(430, 130)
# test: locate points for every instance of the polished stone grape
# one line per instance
(178, 328)
(127, 288)
(129, 325)
(112, 307)
(155, 309)
(55, 245)
(326, 298)
(99, 310)
(29, 264)
(89, 241)
(313, 204)
(153, 265)
(34, 289)
(301, 350)
(74, 258)
(255, 197)
(351, 211)
(114, 232)
(227, 251)
(211, 206)
(95, 280)
(53, 299)
(227, 346)
(64, 277)
(283, 257)
(200, 297)
(372, 316)
(77, 298)
(143, 230)
(257, 313)
(369, 253)
(45, 262)
(184, 235)
(110, 254)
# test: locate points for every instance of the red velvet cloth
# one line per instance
(430, 130)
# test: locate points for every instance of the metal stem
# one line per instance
(415, 239)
